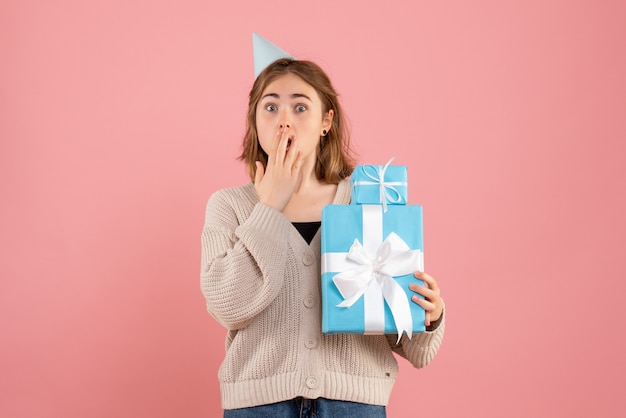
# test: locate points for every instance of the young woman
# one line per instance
(261, 265)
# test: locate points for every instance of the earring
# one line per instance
(324, 132)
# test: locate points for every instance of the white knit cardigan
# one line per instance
(261, 281)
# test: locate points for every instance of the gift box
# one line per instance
(369, 255)
(379, 184)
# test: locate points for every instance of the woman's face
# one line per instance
(291, 104)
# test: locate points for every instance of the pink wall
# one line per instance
(118, 119)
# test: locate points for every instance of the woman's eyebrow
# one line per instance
(300, 95)
(274, 95)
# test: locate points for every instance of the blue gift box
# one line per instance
(352, 236)
(379, 184)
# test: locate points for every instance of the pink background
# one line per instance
(119, 118)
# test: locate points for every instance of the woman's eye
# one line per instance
(270, 107)
(301, 108)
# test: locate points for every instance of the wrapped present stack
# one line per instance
(370, 250)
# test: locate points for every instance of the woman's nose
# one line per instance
(284, 125)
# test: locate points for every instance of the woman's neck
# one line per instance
(307, 202)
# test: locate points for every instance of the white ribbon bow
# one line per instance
(375, 275)
(385, 187)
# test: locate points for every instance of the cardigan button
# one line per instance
(307, 260)
(310, 342)
(311, 382)
(309, 301)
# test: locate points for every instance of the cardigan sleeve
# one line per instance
(422, 347)
(242, 260)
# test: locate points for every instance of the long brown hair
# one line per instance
(334, 160)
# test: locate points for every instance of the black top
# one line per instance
(307, 229)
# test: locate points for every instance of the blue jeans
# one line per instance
(309, 408)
